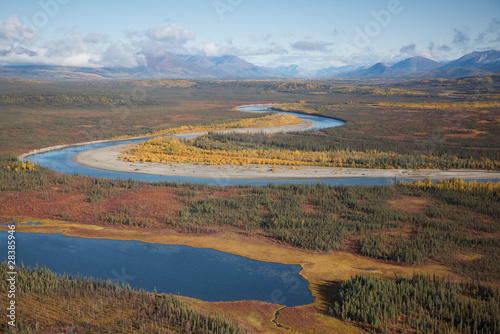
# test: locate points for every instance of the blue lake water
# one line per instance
(200, 273)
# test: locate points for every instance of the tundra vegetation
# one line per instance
(451, 223)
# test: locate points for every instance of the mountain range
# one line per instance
(232, 67)
(472, 64)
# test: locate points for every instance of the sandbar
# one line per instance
(107, 158)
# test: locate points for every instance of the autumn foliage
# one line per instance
(205, 151)
(255, 122)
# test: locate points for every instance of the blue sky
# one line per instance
(312, 34)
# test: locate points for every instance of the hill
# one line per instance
(172, 66)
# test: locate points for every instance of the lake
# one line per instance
(200, 273)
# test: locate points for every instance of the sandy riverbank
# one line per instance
(107, 158)
(304, 125)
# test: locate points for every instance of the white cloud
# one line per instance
(160, 40)
(119, 56)
(70, 45)
(172, 32)
(69, 50)
(13, 31)
(208, 49)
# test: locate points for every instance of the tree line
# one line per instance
(419, 303)
(84, 304)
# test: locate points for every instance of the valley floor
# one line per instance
(107, 158)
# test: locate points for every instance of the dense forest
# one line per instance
(60, 303)
(419, 303)
(455, 217)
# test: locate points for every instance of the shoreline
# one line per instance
(63, 146)
(315, 265)
(107, 159)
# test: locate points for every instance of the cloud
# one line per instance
(71, 44)
(208, 49)
(491, 34)
(11, 30)
(311, 46)
(494, 29)
(119, 56)
(461, 39)
(431, 46)
(444, 48)
(408, 49)
(160, 40)
(228, 48)
(172, 32)
(68, 50)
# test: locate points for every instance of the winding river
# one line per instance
(200, 273)
(61, 160)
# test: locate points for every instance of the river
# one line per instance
(60, 160)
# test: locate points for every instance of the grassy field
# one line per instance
(334, 233)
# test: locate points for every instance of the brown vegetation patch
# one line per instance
(411, 204)
(253, 315)
(406, 231)
(309, 319)
(468, 257)
(464, 135)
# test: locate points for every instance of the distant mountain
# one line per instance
(487, 60)
(455, 72)
(472, 64)
(18, 51)
(172, 66)
(416, 64)
(63, 73)
(379, 70)
(232, 67)
(332, 70)
(228, 66)
(290, 71)
(166, 66)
